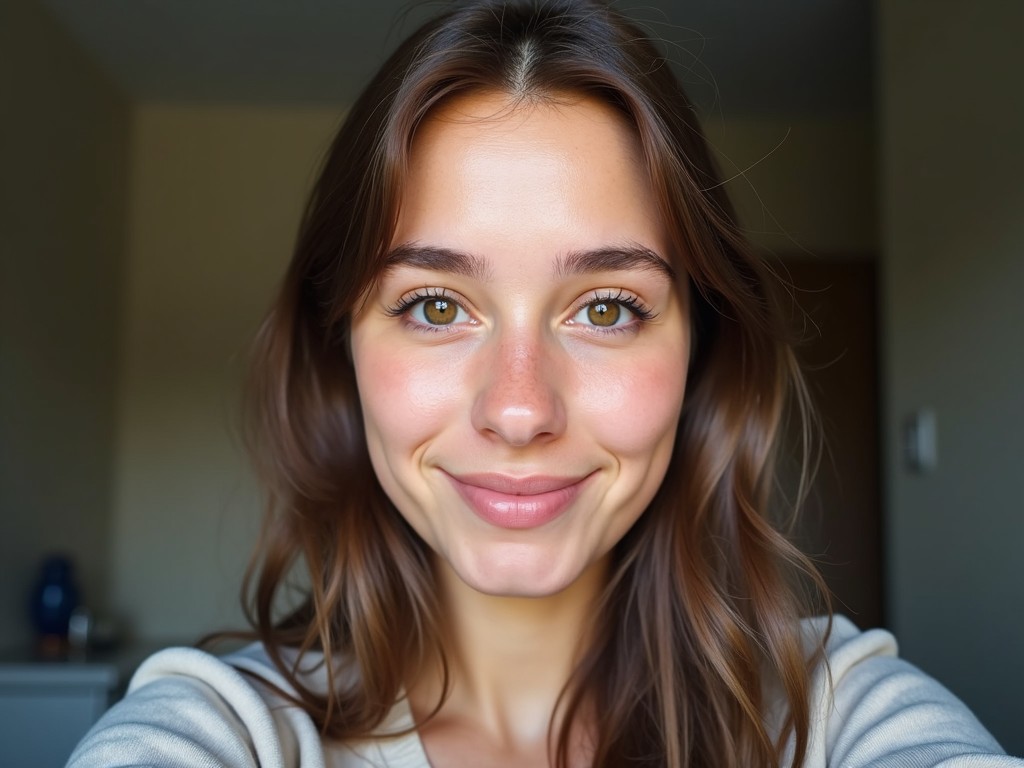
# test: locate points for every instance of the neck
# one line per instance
(509, 658)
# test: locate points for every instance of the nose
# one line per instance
(519, 399)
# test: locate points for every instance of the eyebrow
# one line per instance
(613, 259)
(606, 259)
(438, 260)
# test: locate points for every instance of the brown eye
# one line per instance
(440, 311)
(433, 312)
(603, 314)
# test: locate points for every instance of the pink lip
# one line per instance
(518, 502)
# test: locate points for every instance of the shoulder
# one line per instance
(869, 707)
(186, 707)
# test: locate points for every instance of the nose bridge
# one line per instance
(519, 397)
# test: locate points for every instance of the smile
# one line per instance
(518, 502)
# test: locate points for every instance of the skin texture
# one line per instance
(494, 361)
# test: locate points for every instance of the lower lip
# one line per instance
(514, 512)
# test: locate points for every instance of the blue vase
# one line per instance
(54, 597)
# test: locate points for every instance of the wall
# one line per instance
(63, 139)
(803, 186)
(952, 130)
(216, 197)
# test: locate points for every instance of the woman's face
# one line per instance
(522, 360)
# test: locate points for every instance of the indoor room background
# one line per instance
(147, 213)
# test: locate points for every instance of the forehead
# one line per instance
(498, 117)
(567, 166)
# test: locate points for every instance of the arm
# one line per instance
(883, 712)
(187, 708)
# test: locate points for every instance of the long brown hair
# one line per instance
(701, 611)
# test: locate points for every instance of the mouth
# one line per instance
(518, 503)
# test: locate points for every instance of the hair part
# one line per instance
(701, 607)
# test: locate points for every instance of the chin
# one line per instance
(513, 572)
(517, 588)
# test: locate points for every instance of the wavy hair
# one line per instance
(702, 608)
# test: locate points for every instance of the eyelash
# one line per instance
(401, 308)
(631, 302)
(639, 310)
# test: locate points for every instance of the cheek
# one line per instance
(634, 409)
(404, 399)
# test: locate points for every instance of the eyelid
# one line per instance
(409, 299)
(638, 314)
(627, 299)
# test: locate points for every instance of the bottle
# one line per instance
(54, 598)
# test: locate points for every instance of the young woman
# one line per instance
(516, 407)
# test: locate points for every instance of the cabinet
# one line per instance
(46, 707)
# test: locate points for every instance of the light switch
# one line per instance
(921, 441)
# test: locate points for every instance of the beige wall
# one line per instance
(216, 198)
(63, 143)
(952, 132)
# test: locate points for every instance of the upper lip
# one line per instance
(518, 486)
